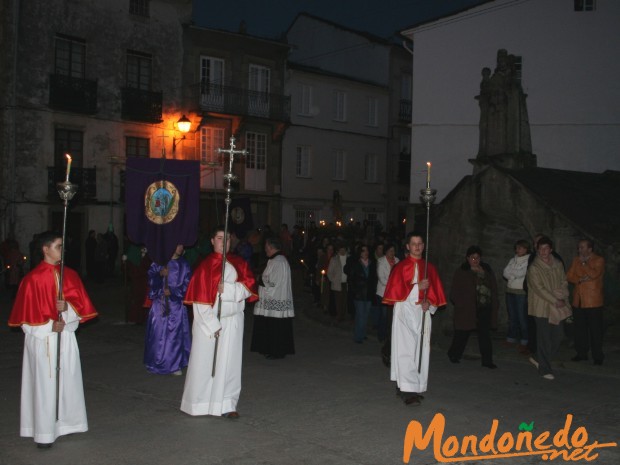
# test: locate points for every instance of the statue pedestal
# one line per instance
(512, 161)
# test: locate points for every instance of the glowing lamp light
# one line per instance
(184, 124)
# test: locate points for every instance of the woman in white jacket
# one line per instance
(516, 297)
(384, 267)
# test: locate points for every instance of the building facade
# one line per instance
(561, 45)
(97, 80)
(349, 131)
(234, 86)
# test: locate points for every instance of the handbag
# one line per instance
(557, 315)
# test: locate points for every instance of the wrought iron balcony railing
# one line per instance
(238, 101)
(141, 105)
(85, 178)
(73, 94)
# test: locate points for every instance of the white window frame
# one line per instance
(339, 166)
(340, 106)
(259, 83)
(303, 161)
(212, 75)
(305, 100)
(211, 139)
(256, 161)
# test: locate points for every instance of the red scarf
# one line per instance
(400, 284)
(202, 287)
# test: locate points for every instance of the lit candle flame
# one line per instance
(428, 174)
(68, 166)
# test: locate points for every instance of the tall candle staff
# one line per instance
(428, 197)
(66, 191)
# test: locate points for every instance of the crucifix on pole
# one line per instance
(229, 177)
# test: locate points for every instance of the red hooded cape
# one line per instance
(202, 287)
(399, 283)
(35, 303)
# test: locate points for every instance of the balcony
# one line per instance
(238, 101)
(85, 178)
(73, 94)
(404, 111)
(141, 105)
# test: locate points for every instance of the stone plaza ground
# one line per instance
(332, 403)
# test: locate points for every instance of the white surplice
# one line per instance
(406, 333)
(38, 396)
(214, 395)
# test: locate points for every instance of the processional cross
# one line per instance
(229, 177)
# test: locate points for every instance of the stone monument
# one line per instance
(504, 138)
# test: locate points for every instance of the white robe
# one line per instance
(204, 394)
(276, 296)
(38, 397)
(406, 328)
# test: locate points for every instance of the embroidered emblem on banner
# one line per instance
(161, 202)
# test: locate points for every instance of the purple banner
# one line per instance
(161, 204)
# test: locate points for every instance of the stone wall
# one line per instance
(493, 211)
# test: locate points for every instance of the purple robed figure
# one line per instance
(167, 341)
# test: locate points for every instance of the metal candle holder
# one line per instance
(66, 191)
(427, 196)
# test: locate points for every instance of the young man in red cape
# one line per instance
(412, 295)
(217, 395)
(37, 308)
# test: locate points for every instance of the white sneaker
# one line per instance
(178, 373)
(533, 362)
(549, 376)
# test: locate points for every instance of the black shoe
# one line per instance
(44, 445)
(578, 358)
(598, 362)
(492, 366)
(454, 359)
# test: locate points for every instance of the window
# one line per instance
(303, 161)
(404, 160)
(139, 7)
(339, 165)
(259, 90)
(303, 218)
(211, 139)
(585, 5)
(370, 167)
(305, 102)
(256, 161)
(70, 56)
(139, 70)
(212, 81)
(340, 105)
(137, 147)
(71, 142)
(405, 86)
(373, 111)
(371, 219)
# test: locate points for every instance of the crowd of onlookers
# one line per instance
(347, 268)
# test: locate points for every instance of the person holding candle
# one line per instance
(413, 288)
(37, 309)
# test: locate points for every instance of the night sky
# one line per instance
(271, 18)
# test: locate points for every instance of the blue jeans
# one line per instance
(517, 317)
(362, 310)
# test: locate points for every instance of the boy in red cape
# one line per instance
(412, 295)
(218, 395)
(37, 308)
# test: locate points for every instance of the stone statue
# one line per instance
(504, 124)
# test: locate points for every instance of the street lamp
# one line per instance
(183, 125)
